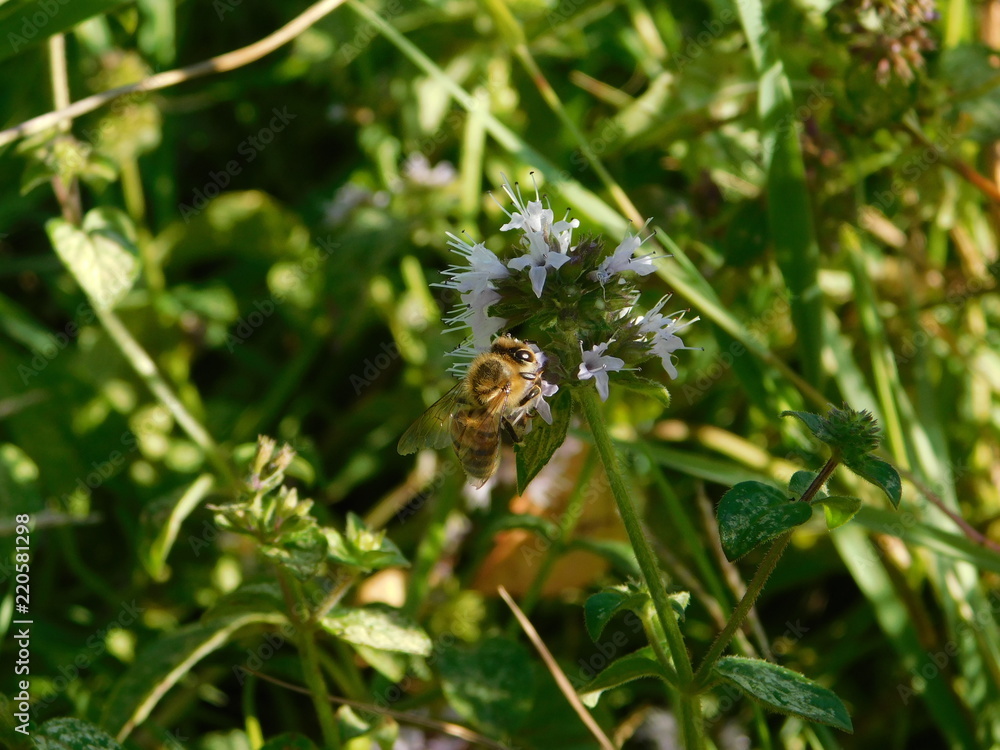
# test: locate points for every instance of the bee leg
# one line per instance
(530, 396)
(511, 432)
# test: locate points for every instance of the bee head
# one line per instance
(515, 350)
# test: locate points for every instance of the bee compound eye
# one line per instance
(523, 355)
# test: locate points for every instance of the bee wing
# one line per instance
(476, 437)
(432, 428)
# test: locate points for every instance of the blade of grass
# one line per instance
(557, 674)
(790, 215)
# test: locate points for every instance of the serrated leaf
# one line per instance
(601, 608)
(101, 256)
(378, 626)
(159, 667)
(302, 550)
(752, 513)
(490, 683)
(784, 691)
(634, 666)
(289, 741)
(879, 473)
(839, 510)
(72, 734)
(645, 386)
(543, 440)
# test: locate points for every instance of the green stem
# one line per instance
(756, 585)
(689, 704)
(143, 364)
(251, 723)
(311, 672)
(344, 581)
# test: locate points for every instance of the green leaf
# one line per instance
(543, 440)
(839, 510)
(159, 666)
(378, 626)
(601, 608)
(359, 547)
(753, 512)
(490, 683)
(24, 24)
(154, 556)
(390, 664)
(879, 473)
(527, 521)
(101, 256)
(802, 481)
(792, 230)
(634, 666)
(784, 691)
(72, 734)
(301, 549)
(289, 741)
(647, 387)
(815, 423)
(351, 725)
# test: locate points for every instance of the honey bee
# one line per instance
(502, 386)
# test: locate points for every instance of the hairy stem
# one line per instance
(756, 585)
(689, 704)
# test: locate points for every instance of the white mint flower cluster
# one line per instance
(575, 298)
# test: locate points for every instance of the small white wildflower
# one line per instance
(543, 409)
(664, 329)
(484, 266)
(596, 364)
(539, 259)
(548, 242)
(622, 259)
(476, 317)
(475, 284)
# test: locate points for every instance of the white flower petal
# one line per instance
(602, 385)
(537, 275)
